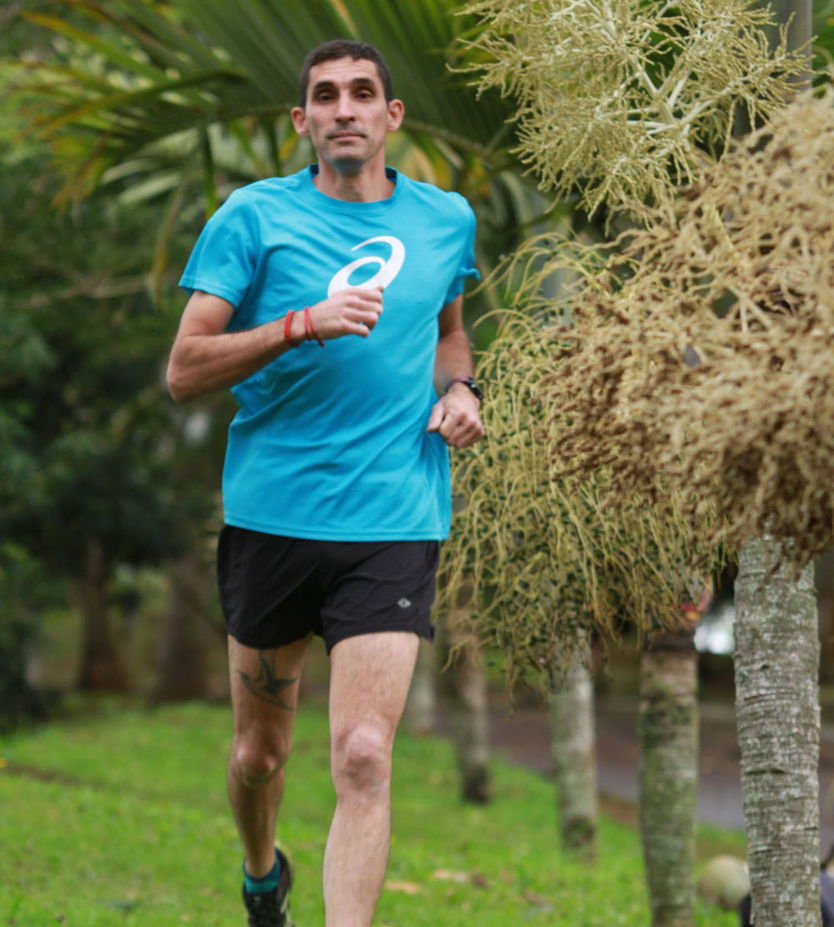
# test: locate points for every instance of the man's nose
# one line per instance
(344, 107)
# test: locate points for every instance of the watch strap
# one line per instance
(471, 383)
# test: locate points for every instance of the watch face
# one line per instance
(477, 390)
(470, 382)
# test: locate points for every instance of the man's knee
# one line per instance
(362, 760)
(257, 759)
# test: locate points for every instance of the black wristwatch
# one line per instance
(471, 383)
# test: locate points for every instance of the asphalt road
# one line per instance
(523, 738)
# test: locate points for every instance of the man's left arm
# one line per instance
(456, 415)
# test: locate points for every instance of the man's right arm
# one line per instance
(206, 358)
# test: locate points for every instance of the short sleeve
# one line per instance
(466, 267)
(224, 257)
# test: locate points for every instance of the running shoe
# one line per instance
(271, 909)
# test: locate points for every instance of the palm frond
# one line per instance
(137, 74)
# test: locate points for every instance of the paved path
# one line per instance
(523, 738)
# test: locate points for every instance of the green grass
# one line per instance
(122, 820)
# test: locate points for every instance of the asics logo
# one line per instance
(388, 270)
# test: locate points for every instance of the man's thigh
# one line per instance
(264, 689)
(370, 676)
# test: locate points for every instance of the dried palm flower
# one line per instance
(699, 359)
(617, 96)
(534, 560)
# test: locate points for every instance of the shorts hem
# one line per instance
(253, 645)
(427, 633)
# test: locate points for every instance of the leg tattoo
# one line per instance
(267, 686)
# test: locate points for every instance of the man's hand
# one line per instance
(353, 311)
(456, 416)
(205, 357)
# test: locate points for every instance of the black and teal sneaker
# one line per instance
(271, 909)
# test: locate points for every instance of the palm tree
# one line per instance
(573, 748)
(188, 100)
(642, 95)
(668, 768)
(776, 664)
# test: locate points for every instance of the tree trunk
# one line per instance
(824, 584)
(777, 693)
(421, 706)
(101, 669)
(777, 708)
(573, 746)
(668, 774)
(183, 647)
(464, 689)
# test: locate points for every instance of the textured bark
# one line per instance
(101, 669)
(421, 706)
(668, 775)
(824, 583)
(183, 646)
(464, 689)
(777, 709)
(573, 746)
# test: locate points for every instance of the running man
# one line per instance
(330, 303)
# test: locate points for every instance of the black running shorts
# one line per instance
(276, 590)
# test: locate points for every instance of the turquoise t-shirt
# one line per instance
(331, 444)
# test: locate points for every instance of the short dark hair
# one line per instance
(336, 49)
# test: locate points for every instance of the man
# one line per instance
(330, 302)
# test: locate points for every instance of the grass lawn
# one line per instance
(123, 820)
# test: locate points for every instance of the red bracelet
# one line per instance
(287, 324)
(309, 331)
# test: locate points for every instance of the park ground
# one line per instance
(116, 814)
(121, 818)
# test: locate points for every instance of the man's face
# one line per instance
(347, 116)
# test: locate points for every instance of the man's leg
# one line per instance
(369, 680)
(264, 686)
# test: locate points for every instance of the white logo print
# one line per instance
(404, 603)
(388, 270)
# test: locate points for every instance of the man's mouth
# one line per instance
(346, 134)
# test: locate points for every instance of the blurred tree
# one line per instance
(420, 713)
(543, 567)
(92, 453)
(464, 688)
(183, 648)
(85, 481)
(667, 728)
(93, 447)
(22, 590)
(573, 745)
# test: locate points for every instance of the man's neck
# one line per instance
(366, 186)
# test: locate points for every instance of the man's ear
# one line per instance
(299, 120)
(396, 111)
